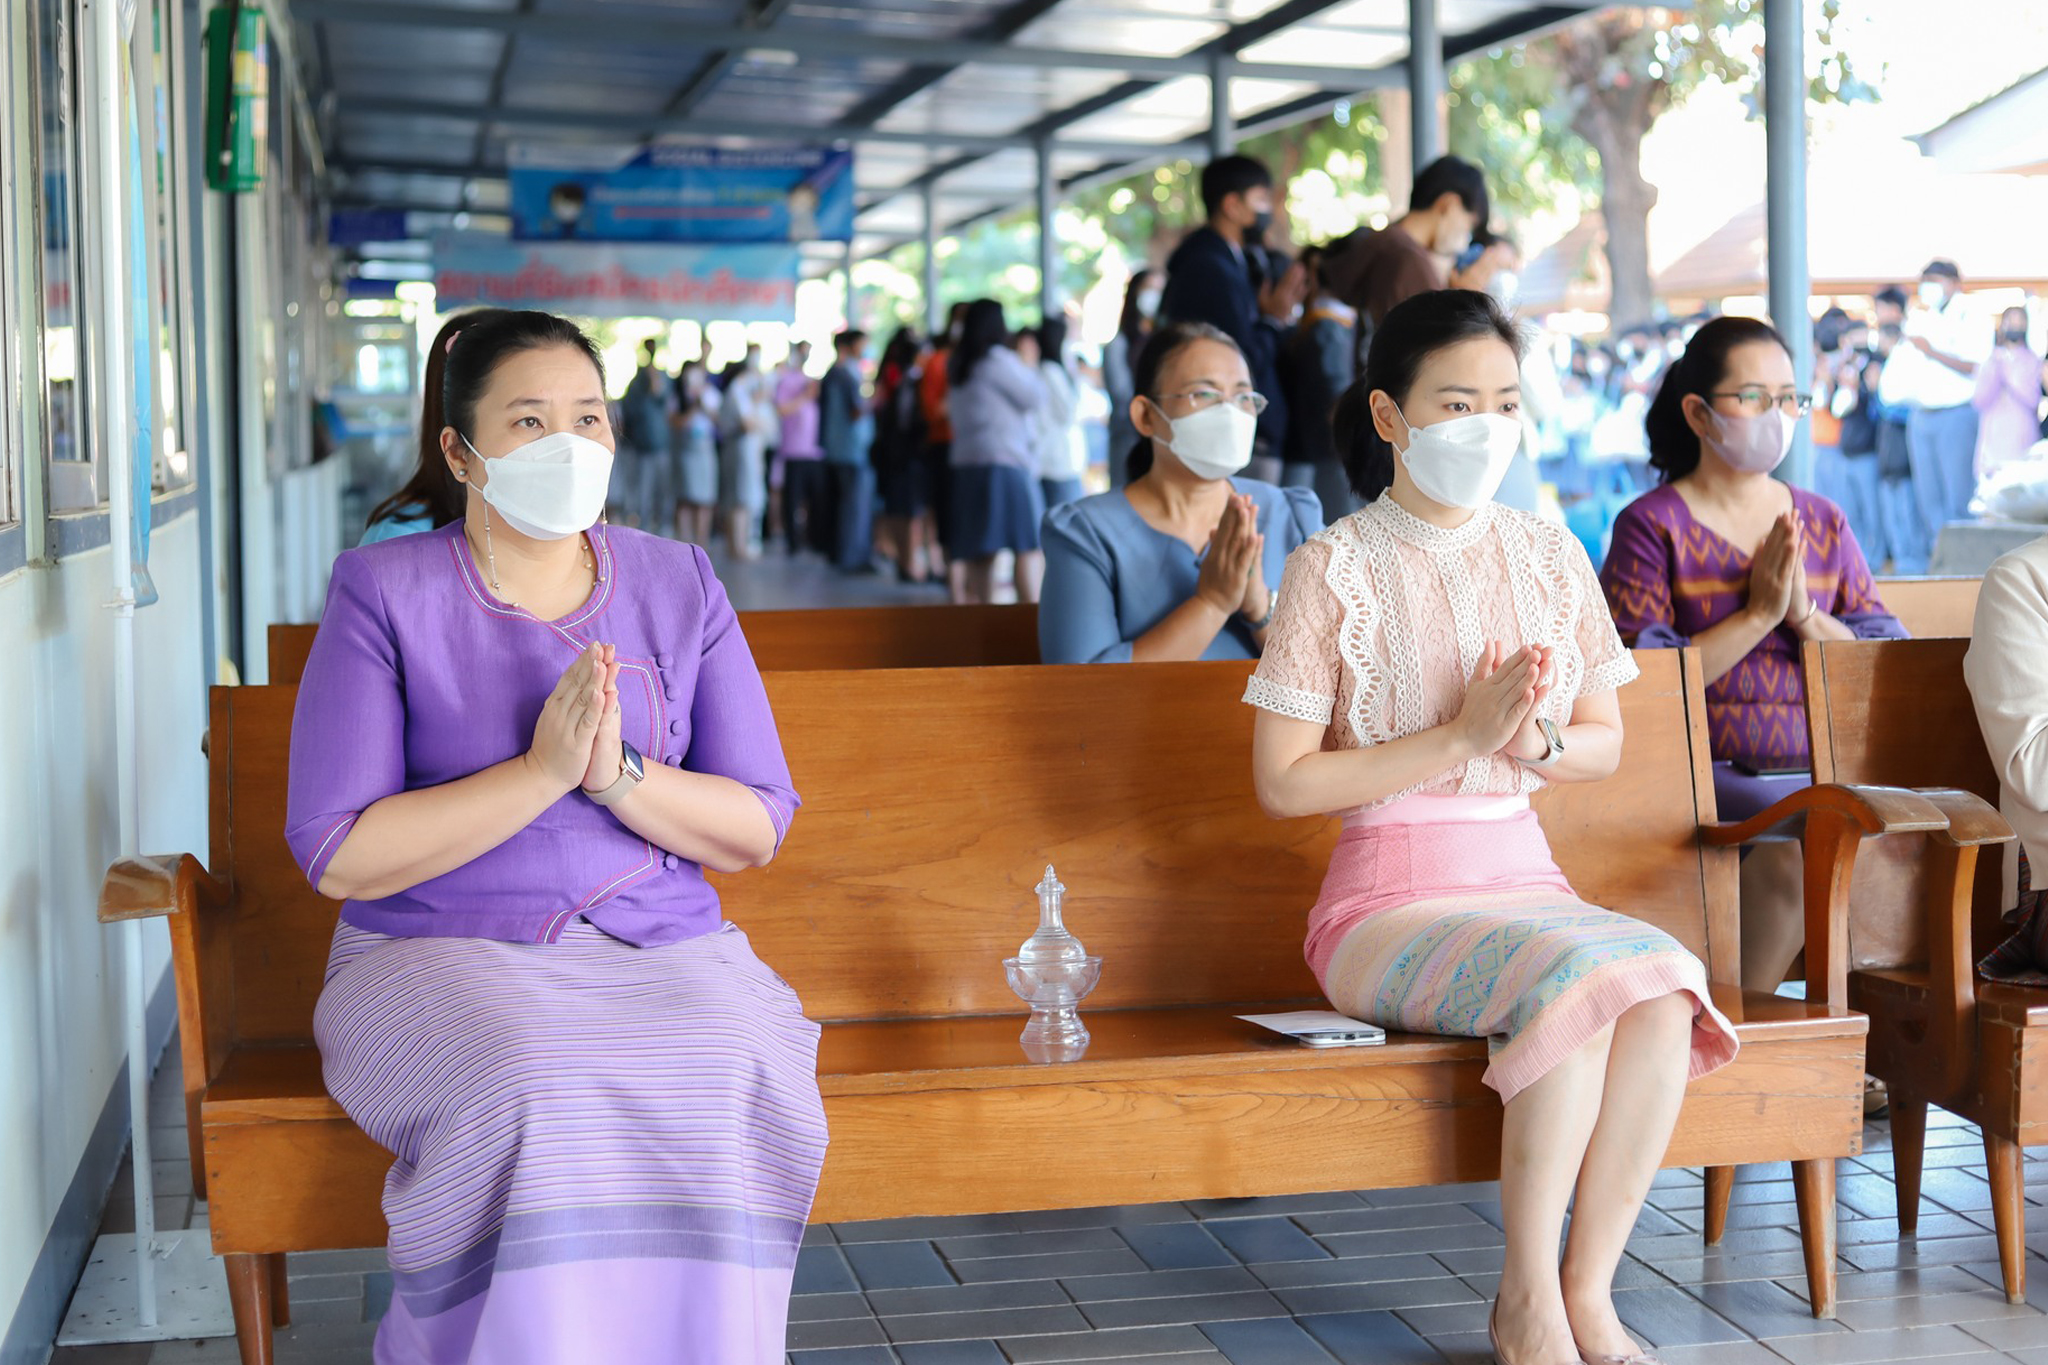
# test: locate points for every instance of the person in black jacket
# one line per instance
(1219, 275)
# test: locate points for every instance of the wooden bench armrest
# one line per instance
(1973, 823)
(1873, 810)
(1838, 819)
(155, 885)
(1971, 819)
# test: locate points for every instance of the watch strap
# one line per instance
(631, 773)
(1553, 742)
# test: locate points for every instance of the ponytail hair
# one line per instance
(465, 352)
(433, 489)
(1161, 347)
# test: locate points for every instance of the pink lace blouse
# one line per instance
(1382, 617)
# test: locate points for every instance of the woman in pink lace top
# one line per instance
(1434, 658)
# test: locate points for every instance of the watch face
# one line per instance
(629, 761)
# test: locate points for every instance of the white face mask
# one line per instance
(1148, 301)
(1460, 463)
(1452, 240)
(549, 488)
(1215, 442)
(1932, 295)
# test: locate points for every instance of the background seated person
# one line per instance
(1435, 658)
(1745, 567)
(2007, 670)
(1181, 563)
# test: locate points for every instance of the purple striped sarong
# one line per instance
(604, 1152)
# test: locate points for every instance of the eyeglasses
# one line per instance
(1199, 399)
(1757, 401)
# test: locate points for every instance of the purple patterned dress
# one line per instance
(1668, 578)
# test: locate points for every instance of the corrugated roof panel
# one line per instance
(379, 81)
(996, 100)
(419, 48)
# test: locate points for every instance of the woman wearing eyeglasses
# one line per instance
(1181, 563)
(1746, 568)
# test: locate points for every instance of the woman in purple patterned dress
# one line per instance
(1745, 568)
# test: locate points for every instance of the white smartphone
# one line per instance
(1341, 1038)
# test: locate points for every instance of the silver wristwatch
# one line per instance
(631, 771)
(1552, 737)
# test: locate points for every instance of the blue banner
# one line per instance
(687, 194)
(607, 280)
(354, 227)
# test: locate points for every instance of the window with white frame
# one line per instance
(16, 335)
(158, 70)
(73, 483)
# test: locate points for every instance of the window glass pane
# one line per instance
(15, 171)
(57, 102)
(173, 464)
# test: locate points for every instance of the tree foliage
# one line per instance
(1571, 109)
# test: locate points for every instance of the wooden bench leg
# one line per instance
(1720, 1189)
(1909, 1155)
(250, 1277)
(1813, 1185)
(2002, 1162)
(280, 1293)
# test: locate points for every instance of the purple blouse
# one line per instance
(1668, 578)
(418, 676)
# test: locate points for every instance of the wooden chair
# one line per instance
(1932, 608)
(1898, 712)
(909, 878)
(845, 637)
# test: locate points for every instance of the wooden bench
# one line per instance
(1932, 608)
(908, 880)
(843, 637)
(1898, 711)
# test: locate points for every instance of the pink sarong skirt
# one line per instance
(1468, 928)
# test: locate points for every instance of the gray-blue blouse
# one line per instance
(1110, 577)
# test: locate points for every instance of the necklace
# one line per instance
(491, 559)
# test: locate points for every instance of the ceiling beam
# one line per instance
(931, 59)
(630, 126)
(756, 16)
(496, 98)
(915, 81)
(1226, 46)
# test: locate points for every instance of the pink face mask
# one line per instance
(1752, 444)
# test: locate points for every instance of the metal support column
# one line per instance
(846, 277)
(1048, 237)
(934, 314)
(1222, 131)
(1785, 201)
(1426, 83)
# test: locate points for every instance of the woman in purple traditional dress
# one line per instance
(1744, 568)
(520, 741)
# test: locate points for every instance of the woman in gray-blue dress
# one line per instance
(1183, 562)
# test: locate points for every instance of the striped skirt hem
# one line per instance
(1537, 980)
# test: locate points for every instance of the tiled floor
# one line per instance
(1388, 1277)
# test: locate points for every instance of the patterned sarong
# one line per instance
(604, 1152)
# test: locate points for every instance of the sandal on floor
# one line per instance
(1493, 1339)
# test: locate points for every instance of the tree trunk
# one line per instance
(1625, 202)
(1615, 110)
